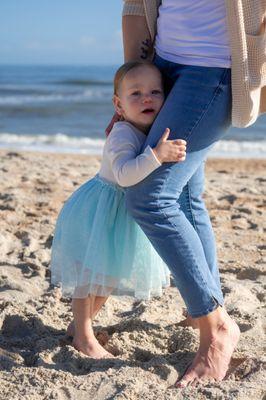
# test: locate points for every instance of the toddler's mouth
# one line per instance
(148, 111)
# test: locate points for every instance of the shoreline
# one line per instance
(61, 143)
(234, 156)
(237, 162)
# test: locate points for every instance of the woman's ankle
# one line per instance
(216, 321)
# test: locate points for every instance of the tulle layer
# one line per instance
(98, 248)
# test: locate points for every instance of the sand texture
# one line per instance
(36, 360)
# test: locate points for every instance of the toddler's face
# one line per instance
(140, 97)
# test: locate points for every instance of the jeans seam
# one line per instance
(192, 214)
(191, 210)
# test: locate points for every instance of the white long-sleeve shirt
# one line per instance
(122, 162)
(204, 42)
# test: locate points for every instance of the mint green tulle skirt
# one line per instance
(98, 249)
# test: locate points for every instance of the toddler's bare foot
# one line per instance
(213, 357)
(102, 336)
(91, 347)
(71, 329)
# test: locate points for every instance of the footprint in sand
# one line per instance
(24, 237)
(231, 198)
(250, 273)
(7, 200)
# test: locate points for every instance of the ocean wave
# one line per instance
(84, 82)
(61, 143)
(58, 143)
(239, 149)
(86, 95)
(14, 90)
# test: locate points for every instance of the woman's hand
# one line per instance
(170, 150)
(116, 118)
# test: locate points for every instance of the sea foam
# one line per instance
(61, 143)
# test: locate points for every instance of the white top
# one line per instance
(122, 162)
(193, 32)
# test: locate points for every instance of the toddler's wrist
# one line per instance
(157, 155)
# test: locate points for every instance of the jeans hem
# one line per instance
(208, 310)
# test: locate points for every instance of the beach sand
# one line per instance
(36, 360)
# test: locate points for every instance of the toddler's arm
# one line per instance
(129, 167)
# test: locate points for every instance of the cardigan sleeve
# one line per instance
(127, 165)
(133, 7)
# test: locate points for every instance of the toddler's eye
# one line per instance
(156, 92)
(136, 93)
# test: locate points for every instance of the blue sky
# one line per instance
(79, 32)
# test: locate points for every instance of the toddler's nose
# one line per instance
(147, 98)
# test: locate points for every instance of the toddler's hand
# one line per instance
(170, 150)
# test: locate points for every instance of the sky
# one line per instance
(60, 32)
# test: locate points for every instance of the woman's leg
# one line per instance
(154, 203)
(193, 206)
(198, 109)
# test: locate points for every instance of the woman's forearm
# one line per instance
(136, 38)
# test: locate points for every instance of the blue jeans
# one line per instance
(168, 204)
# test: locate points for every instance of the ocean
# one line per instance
(66, 109)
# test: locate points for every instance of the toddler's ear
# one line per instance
(117, 104)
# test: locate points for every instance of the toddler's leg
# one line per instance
(84, 338)
(98, 303)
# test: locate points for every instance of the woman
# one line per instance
(216, 75)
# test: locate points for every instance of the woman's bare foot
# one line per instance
(213, 357)
(188, 321)
(91, 347)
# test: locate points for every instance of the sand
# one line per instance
(36, 360)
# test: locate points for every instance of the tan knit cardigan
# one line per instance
(246, 20)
